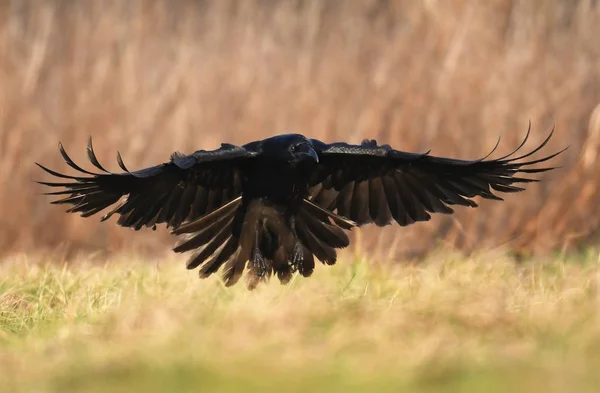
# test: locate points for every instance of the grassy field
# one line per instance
(482, 323)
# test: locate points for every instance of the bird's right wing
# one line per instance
(372, 183)
(181, 190)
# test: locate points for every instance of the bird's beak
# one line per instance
(309, 155)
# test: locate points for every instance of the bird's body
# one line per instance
(274, 205)
(270, 176)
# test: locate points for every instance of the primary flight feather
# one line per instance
(274, 205)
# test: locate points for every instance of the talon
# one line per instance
(297, 257)
(260, 265)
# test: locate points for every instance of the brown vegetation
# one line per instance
(150, 77)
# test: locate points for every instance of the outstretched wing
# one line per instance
(371, 183)
(183, 189)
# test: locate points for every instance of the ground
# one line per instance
(450, 323)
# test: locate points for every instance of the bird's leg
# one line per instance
(297, 256)
(260, 265)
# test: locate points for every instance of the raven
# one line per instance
(275, 204)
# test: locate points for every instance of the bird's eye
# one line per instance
(293, 148)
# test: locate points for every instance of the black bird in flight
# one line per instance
(275, 204)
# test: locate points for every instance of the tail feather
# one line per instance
(308, 262)
(267, 238)
(284, 241)
(235, 267)
(246, 245)
(281, 265)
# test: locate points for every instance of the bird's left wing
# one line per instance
(183, 189)
(371, 183)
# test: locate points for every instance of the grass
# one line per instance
(482, 323)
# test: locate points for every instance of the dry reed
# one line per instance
(150, 77)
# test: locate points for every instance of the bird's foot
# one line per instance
(297, 257)
(260, 264)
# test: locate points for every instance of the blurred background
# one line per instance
(154, 76)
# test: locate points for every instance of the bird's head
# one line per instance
(293, 148)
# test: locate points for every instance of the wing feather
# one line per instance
(389, 184)
(183, 189)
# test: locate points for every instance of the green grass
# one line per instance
(450, 324)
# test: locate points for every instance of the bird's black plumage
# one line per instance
(275, 204)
